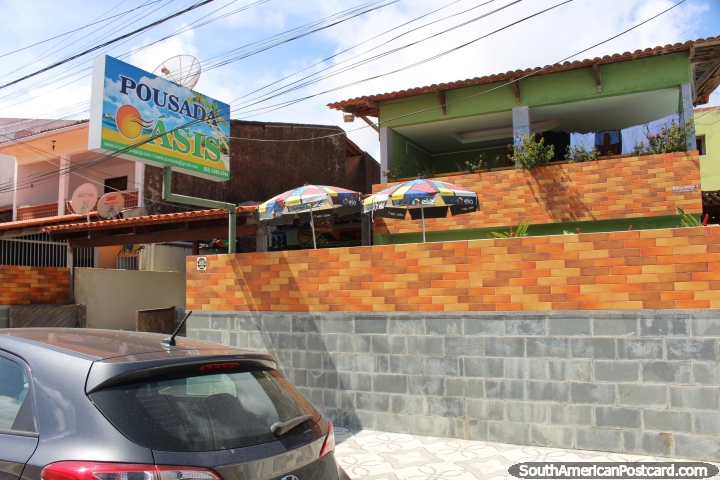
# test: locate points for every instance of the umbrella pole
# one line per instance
(422, 213)
(312, 227)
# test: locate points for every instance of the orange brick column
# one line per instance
(647, 269)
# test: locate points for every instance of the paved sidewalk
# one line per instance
(372, 455)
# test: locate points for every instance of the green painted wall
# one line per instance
(643, 75)
(708, 124)
(407, 154)
(534, 230)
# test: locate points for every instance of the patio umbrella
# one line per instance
(424, 199)
(313, 201)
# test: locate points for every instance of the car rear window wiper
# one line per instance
(281, 428)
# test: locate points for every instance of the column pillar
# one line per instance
(15, 191)
(521, 126)
(63, 184)
(261, 237)
(687, 113)
(140, 182)
(71, 267)
(385, 153)
(365, 230)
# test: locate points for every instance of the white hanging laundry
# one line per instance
(656, 126)
(631, 137)
(634, 135)
(587, 140)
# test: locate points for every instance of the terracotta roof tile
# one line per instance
(360, 104)
(149, 219)
(36, 222)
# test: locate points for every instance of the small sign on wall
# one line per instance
(202, 263)
(685, 188)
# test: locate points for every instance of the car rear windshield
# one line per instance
(201, 412)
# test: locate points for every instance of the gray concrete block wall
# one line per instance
(4, 316)
(637, 382)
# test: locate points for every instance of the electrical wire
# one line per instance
(94, 22)
(52, 80)
(57, 46)
(281, 36)
(534, 72)
(71, 69)
(109, 42)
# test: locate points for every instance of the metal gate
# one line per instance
(67, 316)
(38, 250)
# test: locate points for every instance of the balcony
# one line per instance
(44, 210)
(616, 188)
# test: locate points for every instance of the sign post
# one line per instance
(142, 117)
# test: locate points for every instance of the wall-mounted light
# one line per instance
(348, 117)
(53, 145)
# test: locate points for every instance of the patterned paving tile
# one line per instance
(371, 455)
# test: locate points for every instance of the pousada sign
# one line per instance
(142, 117)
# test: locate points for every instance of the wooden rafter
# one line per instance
(516, 90)
(440, 94)
(707, 75)
(371, 123)
(598, 78)
(708, 58)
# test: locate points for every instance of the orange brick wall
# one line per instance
(33, 285)
(601, 190)
(643, 269)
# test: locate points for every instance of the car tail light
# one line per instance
(329, 444)
(219, 366)
(122, 471)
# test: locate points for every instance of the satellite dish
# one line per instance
(110, 205)
(181, 69)
(23, 133)
(84, 199)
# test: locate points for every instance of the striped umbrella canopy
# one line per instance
(314, 201)
(423, 198)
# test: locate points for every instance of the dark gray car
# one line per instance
(79, 404)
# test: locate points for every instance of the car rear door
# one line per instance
(18, 428)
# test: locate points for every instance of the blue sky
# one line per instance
(542, 40)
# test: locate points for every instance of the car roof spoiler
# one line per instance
(106, 373)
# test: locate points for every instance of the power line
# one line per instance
(68, 71)
(509, 83)
(52, 80)
(110, 42)
(363, 53)
(75, 30)
(56, 47)
(353, 11)
(535, 72)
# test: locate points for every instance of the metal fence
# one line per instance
(127, 262)
(39, 251)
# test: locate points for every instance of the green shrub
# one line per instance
(394, 174)
(532, 154)
(480, 163)
(579, 154)
(521, 231)
(687, 220)
(672, 138)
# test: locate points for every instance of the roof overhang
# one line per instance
(704, 55)
(172, 227)
(37, 147)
